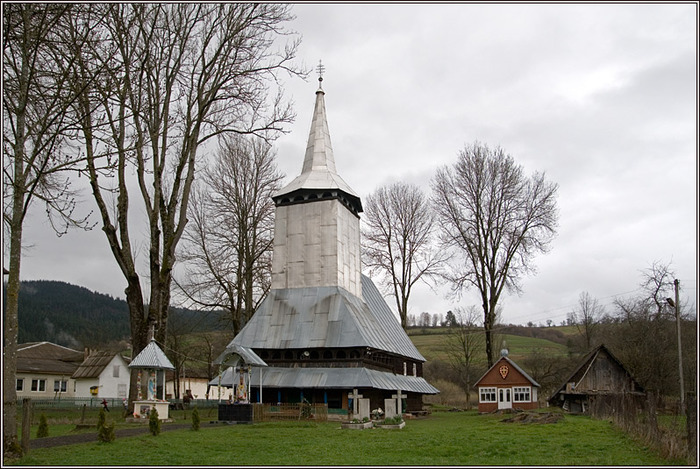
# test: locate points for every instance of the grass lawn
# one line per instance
(445, 438)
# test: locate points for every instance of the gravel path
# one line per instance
(87, 437)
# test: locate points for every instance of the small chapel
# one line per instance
(324, 333)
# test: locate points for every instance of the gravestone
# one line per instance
(389, 408)
(363, 409)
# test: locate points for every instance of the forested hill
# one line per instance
(76, 317)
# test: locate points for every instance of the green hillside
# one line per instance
(434, 344)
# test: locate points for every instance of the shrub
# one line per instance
(43, 430)
(106, 433)
(195, 419)
(154, 422)
(101, 420)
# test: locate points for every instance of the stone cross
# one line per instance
(354, 395)
(398, 396)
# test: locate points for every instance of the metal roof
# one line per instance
(151, 357)
(314, 317)
(233, 353)
(327, 378)
(318, 171)
(93, 365)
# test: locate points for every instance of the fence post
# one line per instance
(26, 423)
(691, 423)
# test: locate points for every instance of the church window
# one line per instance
(288, 355)
(354, 354)
(314, 354)
(415, 370)
(340, 354)
(487, 394)
(276, 355)
(327, 354)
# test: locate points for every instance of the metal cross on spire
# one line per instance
(320, 69)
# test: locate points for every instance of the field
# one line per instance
(444, 438)
(433, 344)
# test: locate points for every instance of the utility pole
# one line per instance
(676, 283)
(676, 306)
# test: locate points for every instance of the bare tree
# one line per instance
(172, 77)
(465, 338)
(397, 240)
(37, 127)
(495, 219)
(228, 243)
(587, 318)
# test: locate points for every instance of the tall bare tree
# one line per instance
(173, 76)
(37, 128)
(495, 219)
(228, 243)
(398, 240)
(464, 339)
(587, 318)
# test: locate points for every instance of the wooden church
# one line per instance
(324, 331)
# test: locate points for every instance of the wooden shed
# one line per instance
(506, 386)
(598, 375)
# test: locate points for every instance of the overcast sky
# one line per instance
(600, 97)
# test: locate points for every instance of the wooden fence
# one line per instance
(268, 412)
(639, 415)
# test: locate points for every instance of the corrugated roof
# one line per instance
(93, 365)
(327, 378)
(315, 317)
(247, 355)
(151, 357)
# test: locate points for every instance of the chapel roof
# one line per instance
(151, 357)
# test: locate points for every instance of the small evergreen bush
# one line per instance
(101, 420)
(154, 422)
(43, 430)
(195, 419)
(106, 433)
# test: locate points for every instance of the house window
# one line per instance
(115, 371)
(121, 391)
(487, 394)
(60, 385)
(521, 394)
(20, 384)
(39, 385)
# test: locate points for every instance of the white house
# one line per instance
(102, 374)
(44, 370)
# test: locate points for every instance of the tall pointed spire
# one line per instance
(318, 171)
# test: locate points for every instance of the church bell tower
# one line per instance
(317, 223)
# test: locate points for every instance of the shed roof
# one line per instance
(327, 378)
(94, 365)
(316, 317)
(582, 368)
(151, 357)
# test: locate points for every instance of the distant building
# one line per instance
(506, 386)
(324, 329)
(44, 370)
(599, 375)
(104, 375)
